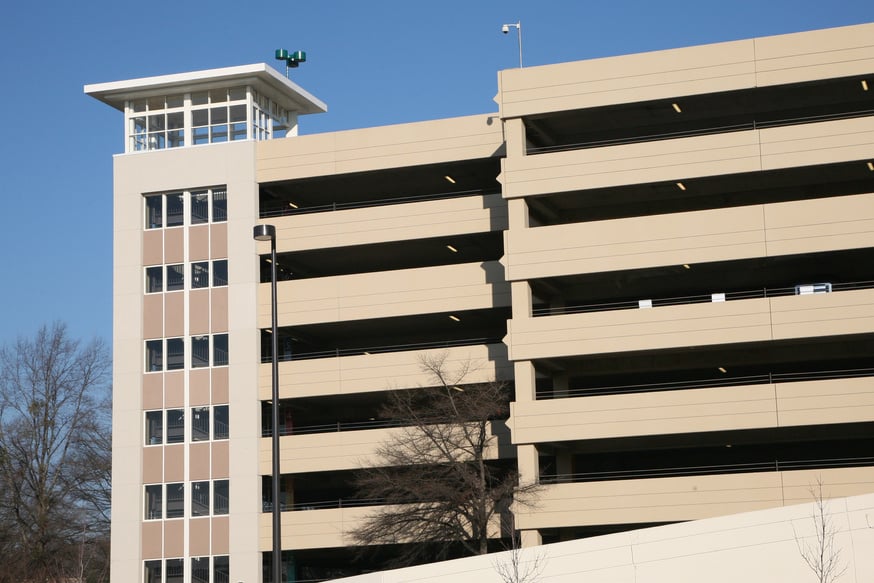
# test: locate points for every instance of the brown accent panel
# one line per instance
(220, 459)
(174, 245)
(220, 535)
(218, 243)
(174, 463)
(198, 312)
(153, 247)
(153, 316)
(174, 314)
(198, 461)
(220, 385)
(174, 538)
(174, 389)
(152, 539)
(198, 243)
(220, 309)
(198, 536)
(198, 387)
(153, 464)
(153, 391)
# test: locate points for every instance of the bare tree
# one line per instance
(821, 554)
(49, 389)
(437, 477)
(517, 568)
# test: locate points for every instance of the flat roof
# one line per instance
(262, 77)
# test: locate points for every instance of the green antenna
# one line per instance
(292, 60)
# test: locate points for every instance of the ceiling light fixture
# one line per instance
(722, 370)
(681, 186)
(871, 166)
(292, 205)
(451, 248)
(687, 266)
(676, 107)
(864, 85)
(457, 388)
(455, 318)
(450, 179)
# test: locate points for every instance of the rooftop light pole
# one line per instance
(268, 233)
(518, 26)
(292, 60)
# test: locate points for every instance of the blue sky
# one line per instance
(373, 63)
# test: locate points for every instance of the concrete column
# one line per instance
(523, 372)
(530, 538)
(521, 300)
(514, 136)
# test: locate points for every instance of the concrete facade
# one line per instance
(669, 255)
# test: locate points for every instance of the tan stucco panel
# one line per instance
(198, 537)
(198, 387)
(219, 310)
(174, 314)
(153, 315)
(174, 389)
(153, 391)
(174, 463)
(153, 464)
(153, 247)
(220, 459)
(198, 461)
(220, 385)
(174, 245)
(153, 539)
(198, 312)
(220, 535)
(218, 241)
(174, 538)
(198, 243)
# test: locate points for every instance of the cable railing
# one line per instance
(704, 131)
(267, 505)
(694, 299)
(338, 352)
(703, 470)
(339, 206)
(333, 427)
(713, 382)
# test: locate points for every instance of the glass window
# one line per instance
(237, 93)
(199, 351)
(154, 503)
(139, 105)
(199, 207)
(175, 354)
(154, 279)
(175, 425)
(175, 277)
(200, 117)
(175, 215)
(200, 499)
(218, 95)
(219, 205)
(220, 350)
(201, 135)
(220, 497)
(199, 274)
(154, 427)
(220, 273)
(221, 424)
(154, 212)
(175, 500)
(153, 572)
(221, 569)
(175, 571)
(154, 355)
(175, 100)
(200, 570)
(237, 113)
(200, 424)
(200, 98)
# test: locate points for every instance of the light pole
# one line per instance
(518, 26)
(268, 233)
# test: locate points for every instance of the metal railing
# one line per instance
(267, 505)
(753, 124)
(338, 352)
(702, 470)
(714, 382)
(692, 299)
(339, 206)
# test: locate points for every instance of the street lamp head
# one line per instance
(264, 233)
